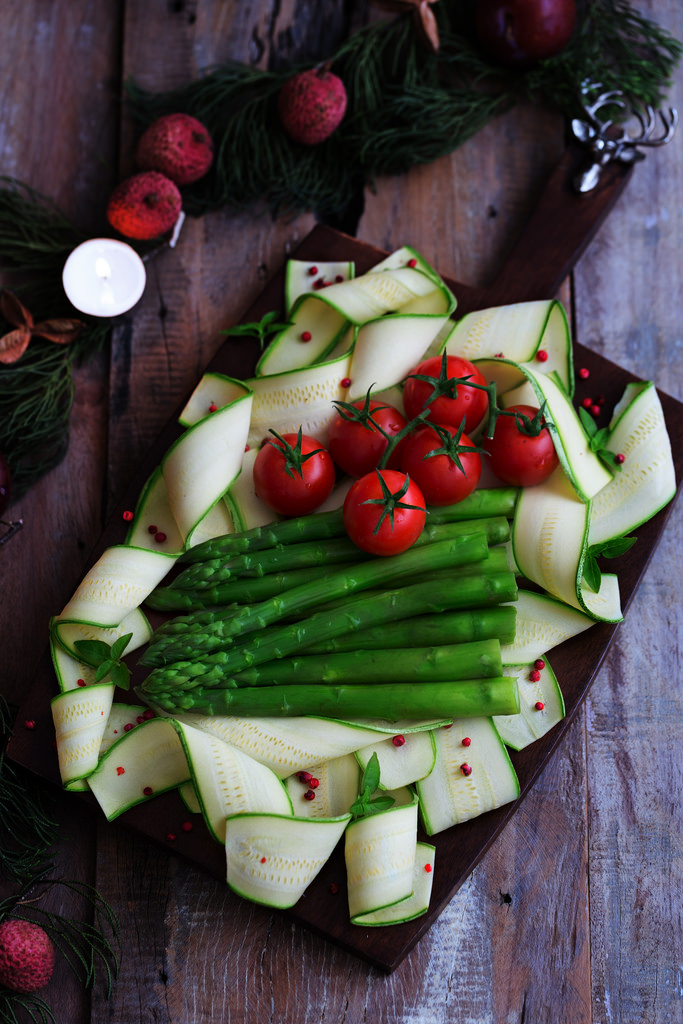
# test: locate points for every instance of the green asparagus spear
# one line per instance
(246, 590)
(337, 583)
(334, 551)
(249, 590)
(475, 660)
(494, 501)
(185, 664)
(461, 699)
(454, 627)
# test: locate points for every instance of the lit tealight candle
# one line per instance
(104, 277)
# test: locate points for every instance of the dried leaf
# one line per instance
(14, 344)
(61, 330)
(13, 310)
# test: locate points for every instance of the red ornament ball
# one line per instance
(27, 956)
(144, 206)
(311, 105)
(178, 146)
(521, 32)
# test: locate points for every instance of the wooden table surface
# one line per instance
(574, 915)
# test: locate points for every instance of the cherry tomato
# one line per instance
(439, 477)
(356, 445)
(377, 515)
(293, 474)
(515, 457)
(468, 403)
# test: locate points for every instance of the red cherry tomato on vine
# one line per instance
(293, 474)
(439, 477)
(357, 445)
(378, 516)
(468, 403)
(515, 457)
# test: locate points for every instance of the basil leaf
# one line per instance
(94, 652)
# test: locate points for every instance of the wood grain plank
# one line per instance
(629, 299)
(60, 139)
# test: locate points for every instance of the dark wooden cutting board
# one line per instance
(556, 235)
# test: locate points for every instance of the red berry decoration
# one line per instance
(178, 146)
(144, 206)
(27, 956)
(311, 105)
(521, 32)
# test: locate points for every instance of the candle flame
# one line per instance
(102, 268)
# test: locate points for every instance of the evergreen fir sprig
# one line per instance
(406, 104)
(27, 831)
(30, 1007)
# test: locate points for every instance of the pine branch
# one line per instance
(26, 829)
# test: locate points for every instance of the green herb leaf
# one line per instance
(262, 329)
(119, 646)
(371, 775)
(106, 659)
(93, 652)
(365, 804)
(103, 670)
(598, 438)
(120, 675)
(592, 575)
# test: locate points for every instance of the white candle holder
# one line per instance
(104, 277)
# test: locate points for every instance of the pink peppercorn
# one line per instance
(466, 769)
(128, 516)
(398, 741)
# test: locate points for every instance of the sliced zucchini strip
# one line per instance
(213, 392)
(467, 780)
(550, 539)
(66, 632)
(379, 852)
(541, 707)
(288, 745)
(298, 398)
(336, 787)
(402, 759)
(145, 762)
(303, 276)
(228, 781)
(245, 508)
(417, 904)
(516, 333)
(647, 481)
(203, 462)
(542, 622)
(386, 350)
(123, 718)
(116, 585)
(153, 510)
(318, 319)
(272, 859)
(80, 717)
